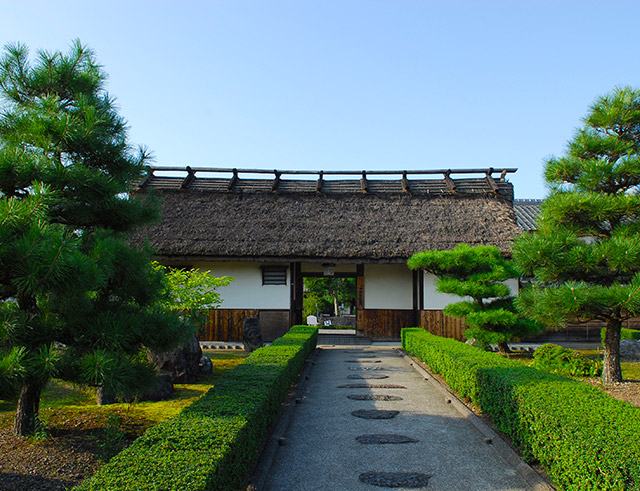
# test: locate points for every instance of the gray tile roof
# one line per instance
(527, 211)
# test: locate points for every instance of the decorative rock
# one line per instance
(374, 397)
(160, 390)
(630, 349)
(395, 479)
(367, 376)
(205, 365)
(182, 364)
(372, 386)
(383, 439)
(374, 414)
(251, 334)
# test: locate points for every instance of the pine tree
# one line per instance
(478, 273)
(585, 255)
(76, 300)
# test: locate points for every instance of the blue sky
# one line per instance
(346, 84)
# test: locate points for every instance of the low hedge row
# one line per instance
(215, 442)
(581, 436)
(631, 334)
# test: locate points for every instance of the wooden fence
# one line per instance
(225, 324)
(436, 322)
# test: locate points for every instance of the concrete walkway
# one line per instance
(322, 450)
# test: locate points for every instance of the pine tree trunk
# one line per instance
(611, 371)
(104, 397)
(27, 410)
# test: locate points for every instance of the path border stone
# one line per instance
(502, 448)
(260, 472)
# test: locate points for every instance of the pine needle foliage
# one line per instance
(585, 255)
(76, 300)
(478, 273)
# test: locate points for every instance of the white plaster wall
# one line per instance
(246, 291)
(388, 286)
(434, 300)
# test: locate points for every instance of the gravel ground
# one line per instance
(626, 391)
(62, 460)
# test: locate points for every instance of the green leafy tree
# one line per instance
(478, 273)
(192, 292)
(76, 300)
(585, 255)
(326, 294)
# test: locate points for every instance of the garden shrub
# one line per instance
(565, 361)
(630, 334)
(215, 442)
(582, 437)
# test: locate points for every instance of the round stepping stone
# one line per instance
(372, 386)
(374, 397)
(365, 376)
(375, 413)
(383, 439)
(395, 479)
(364, 361)
(368, 368)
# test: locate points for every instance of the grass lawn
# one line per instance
(79, 435)
(628, 391)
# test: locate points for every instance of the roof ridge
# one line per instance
(523, 201)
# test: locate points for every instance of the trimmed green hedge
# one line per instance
(632, 334)
(581, 436)
(215, 442)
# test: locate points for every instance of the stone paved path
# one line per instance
(322, 450)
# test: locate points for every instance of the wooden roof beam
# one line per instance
(190, 177)
(147, 179)
(364, 187)
(320, 182)
(449, 182)
(233, 180)
(491, 181)
(405, 183)
(276, 181)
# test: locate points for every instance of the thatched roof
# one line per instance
(217, 218)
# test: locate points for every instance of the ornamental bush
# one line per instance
(215, 442)
(565, 361)
(582, 437)
(625, 334)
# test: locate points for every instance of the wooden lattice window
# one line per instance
(274, 275)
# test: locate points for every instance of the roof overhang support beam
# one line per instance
(147, 179)
(276, 181)
(405, 183)
(364, 186)
(234, 180)
(491, 181)
(190, 177)
(449, 182)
